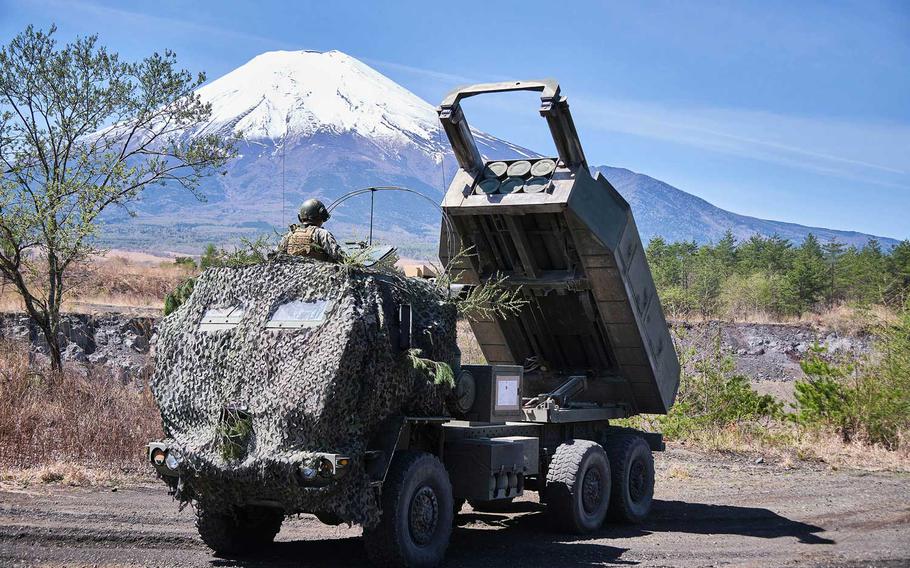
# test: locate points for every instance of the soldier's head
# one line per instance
(313, 212)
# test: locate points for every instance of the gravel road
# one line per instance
(710, 511)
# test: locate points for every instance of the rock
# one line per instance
(141, 344)
(97, 358)
(74, 353)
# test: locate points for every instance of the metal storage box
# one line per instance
(485, 469)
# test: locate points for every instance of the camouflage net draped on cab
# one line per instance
(248, 403)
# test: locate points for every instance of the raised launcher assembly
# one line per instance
(570, 241)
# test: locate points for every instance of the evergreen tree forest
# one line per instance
(771, 276)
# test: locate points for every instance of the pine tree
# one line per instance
(833, 251)
(725, 253)
(899, 267)
(808, 275)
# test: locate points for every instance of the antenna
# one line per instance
(283, 141)
(372, 202)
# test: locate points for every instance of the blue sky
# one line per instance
(795, 111)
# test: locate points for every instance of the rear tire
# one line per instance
(237, 531)
(417, 513)
(578, 487)
(633, 478)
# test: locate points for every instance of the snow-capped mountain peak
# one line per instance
(289, 94)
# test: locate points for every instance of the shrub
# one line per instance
(883, 391)
(712, 396)
(185, 261)
(873, 400)
(825, 399)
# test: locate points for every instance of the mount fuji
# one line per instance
(320, 124)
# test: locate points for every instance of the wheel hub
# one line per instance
(424, 515)
(637, 481)
(591, 490)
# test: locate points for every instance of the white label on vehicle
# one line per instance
(507, 392)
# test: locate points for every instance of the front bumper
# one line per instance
(312, 469)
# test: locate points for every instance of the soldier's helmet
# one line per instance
(313, 211)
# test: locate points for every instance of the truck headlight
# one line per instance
(172, 460)
(158, 457)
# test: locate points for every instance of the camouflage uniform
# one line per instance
(311, 241)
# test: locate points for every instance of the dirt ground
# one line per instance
(709, 511)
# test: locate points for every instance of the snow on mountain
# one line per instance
(322, 124)
(299, 93)
(312, 124)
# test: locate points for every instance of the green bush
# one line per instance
(883, 390)
(873, 400)
(825, 399)
(713, 396)
(185, 261)
(180, 294)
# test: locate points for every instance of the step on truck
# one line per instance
(260, 426)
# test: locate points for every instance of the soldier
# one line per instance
(309, 238)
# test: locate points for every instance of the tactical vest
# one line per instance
(302, 243)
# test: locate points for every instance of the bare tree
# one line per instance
(81, 131)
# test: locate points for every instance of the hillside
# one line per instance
(663, 210)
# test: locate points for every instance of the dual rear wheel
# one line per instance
(586, 483)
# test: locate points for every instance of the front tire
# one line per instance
(237, 531)
(633, 478)
(417, 513)
(578, 487)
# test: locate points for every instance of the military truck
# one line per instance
(300, 386)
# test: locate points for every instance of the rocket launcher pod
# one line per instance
(570, 242)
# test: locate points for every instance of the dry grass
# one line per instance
(69, 428)
(75, 475)
(787, 446)
(843, 318)
(677, 471)
(114, 282)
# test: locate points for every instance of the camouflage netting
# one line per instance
(320, 389)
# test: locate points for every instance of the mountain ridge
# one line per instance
(324, 123)
(644, 194)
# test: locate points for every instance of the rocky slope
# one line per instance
(768, 354)
(116, 342)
